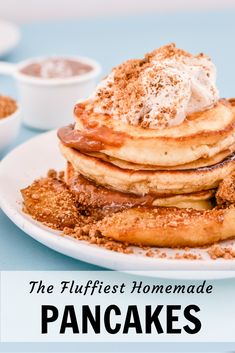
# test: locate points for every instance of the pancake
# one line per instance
(93, 196)
(163, 182)
(170, 227)
(203, 162)
(201, 135)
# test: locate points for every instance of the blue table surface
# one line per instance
(110, 41)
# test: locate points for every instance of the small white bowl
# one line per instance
(48, 103)
(9, 129)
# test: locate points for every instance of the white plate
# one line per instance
(9, 37)
(32, 160)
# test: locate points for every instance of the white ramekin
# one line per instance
(48, 103)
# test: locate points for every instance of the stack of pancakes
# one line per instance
(113, 167)
(150, 149)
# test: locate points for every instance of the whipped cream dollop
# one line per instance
(160, 90)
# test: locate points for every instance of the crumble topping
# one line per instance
(8, 106)
(159, 90)
(225, 194)
(217, 251)
(50, 201)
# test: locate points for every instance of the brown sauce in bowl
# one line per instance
(52, 68)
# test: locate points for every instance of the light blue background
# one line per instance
(110, 41)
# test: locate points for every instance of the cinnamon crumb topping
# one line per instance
(217, 251)
(49, 201)
(8, 106)
(226, 191)
(90, 234)
(158, 90)
(187, 256)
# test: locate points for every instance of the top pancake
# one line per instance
(201, 135)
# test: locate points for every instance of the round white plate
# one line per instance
(32, 160)
(9, 37)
